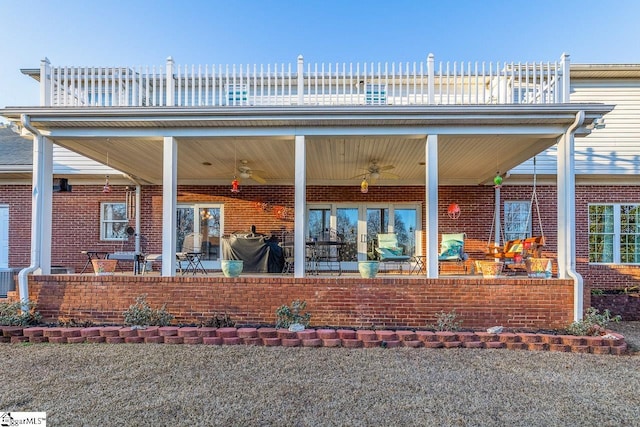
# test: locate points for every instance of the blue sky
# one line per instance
(139, 32)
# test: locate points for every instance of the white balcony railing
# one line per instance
(402, 83)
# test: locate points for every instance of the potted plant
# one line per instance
(368, 269)
(104, 267)
(491, 269)
(231, 267)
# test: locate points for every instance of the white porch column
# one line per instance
(169, 192)
(431, 186)
(300, 207)
(567, 214)
(496, 216)
(46, 215)
(41, 217)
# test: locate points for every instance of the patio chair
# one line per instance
(452, 250)
(389, 251)
(286, 243)
(190, 254)
(326, 252)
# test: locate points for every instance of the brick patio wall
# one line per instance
(76, 223)
(334, 301)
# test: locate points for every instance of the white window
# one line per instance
(113, 221)
(517, 220)
(376, 94)
(236, 94)
(614, 233)
(523, 95)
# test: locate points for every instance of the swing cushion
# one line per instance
(516, 247)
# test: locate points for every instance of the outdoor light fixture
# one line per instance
(107, 187)
(364, 186)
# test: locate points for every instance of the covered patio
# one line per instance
(307, 150)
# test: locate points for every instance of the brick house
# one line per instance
(302, 138)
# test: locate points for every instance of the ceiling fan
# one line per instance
(375, 172)
(245, 172)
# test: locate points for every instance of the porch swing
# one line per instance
(520, 250)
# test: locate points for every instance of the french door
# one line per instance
(204, 221)
(358, 227)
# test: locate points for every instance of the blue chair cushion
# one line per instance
(391, 254)
(450, 250)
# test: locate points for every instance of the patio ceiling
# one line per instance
(332, 160)
(341, 143)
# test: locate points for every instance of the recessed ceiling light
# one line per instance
(206, 163)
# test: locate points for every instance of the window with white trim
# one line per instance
(376, 94)
(614, 233)
(517, 220)
(236, 94)
(113, 221)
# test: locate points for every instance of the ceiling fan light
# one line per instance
(375, 175)
(245, 175)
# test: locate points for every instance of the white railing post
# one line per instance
(431, 79)
(565, 91)
(45, 83)
(170, 84)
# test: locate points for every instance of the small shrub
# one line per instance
(597, 292)
(593, 323)
(220, 321)
(288, 315)
(73, 323)
(141, 314)
(446, 321)
(11, 314)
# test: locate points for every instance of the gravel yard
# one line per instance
(156, 385)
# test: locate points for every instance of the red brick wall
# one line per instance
(18, 197)
(76, 224)
(345, 302)
(602, 276)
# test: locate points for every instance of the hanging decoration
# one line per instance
(282, 212)
(453, 211)
(130, 200)
(107, 187)
(364, 186)
(262, 206)
(235, 185)
(497, 181)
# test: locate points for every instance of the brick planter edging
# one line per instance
(349, 338)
